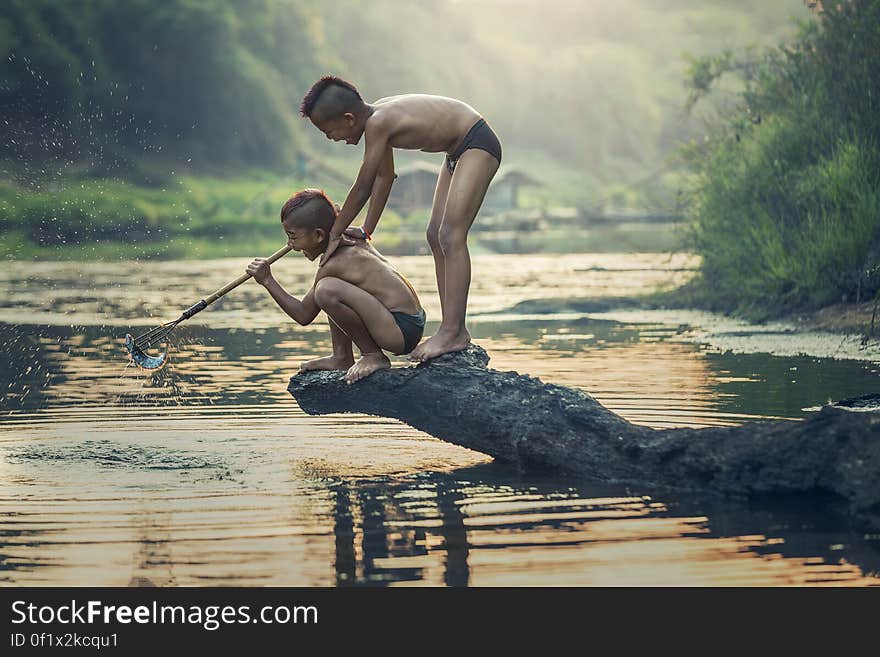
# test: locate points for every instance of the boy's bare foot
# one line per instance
(441, 343)
(366, 365)
(328, 363)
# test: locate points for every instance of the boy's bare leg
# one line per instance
(437, 209)
(364, 319)
(342, 357)
(473, 173)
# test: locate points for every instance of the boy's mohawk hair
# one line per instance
(303, 197)
(311, 98)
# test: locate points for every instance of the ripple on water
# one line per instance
(111, 453)
(210, 474)
(370, 502)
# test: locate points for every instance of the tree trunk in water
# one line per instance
(538, 426)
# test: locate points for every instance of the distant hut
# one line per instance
(414, 189)
(503, 193)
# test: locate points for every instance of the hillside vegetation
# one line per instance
(112, 111)
(786, 196)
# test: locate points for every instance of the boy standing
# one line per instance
(432, 124)
(366, 299)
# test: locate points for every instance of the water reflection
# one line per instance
(639, 371)
(208, 473)
(467, 527)
(482, 525)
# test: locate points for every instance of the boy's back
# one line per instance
(433, 124)
(362, 266)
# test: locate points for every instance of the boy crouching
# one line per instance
(368, 302)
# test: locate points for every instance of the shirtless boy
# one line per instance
(366, 299)
(433, 124)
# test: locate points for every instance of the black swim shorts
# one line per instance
(479, 136)
(412, 328)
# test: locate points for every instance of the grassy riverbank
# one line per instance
(169, 214)
(786, 196)
(81, 218)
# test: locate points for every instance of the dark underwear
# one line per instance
(479, 136)
(412, 327)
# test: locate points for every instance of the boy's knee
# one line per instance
(452, 238)
(327, 291)
(433, 236)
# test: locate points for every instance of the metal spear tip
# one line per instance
(142, 359)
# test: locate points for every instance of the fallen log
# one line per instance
(538, 426)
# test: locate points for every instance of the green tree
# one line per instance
(786, 200)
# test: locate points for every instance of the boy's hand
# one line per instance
(356, 232)
(260, 270)
(332, 245)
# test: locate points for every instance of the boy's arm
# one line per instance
(304, 312)
(381, 190)
(374, 153)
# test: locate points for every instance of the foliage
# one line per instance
(111, 82)
(61, 218)
(786, 199)
(154, 93)
(218, 82)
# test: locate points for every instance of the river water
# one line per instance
(208, 473)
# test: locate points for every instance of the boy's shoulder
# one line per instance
(383, 115)
(389, 101)
(349, 257)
